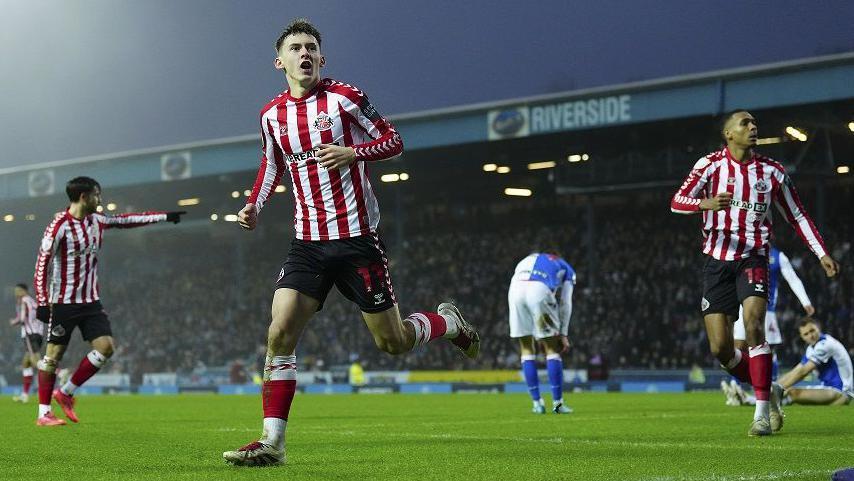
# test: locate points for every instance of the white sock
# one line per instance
(69, 388)
(451, 328)
(763, 410)
(27, 371)
(44, 409)
(274, 432)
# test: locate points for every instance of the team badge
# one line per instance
(731, 181)
(704, 304)
(762, 186)
(322, 122)
(58, 331)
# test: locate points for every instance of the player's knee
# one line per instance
(721, 353)
(47, 364)
(106, 350)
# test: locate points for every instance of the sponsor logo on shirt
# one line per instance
(747, 205)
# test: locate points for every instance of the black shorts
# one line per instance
(89, 317)
(35, 343)
(726, 284)
(357, 266)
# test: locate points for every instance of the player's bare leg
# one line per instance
(28, 362)
(760, 356)
(47, 378)
(554, 347)
(396, 336)
(102, 351)
(528, 351)
(291, 312)
(817, 397)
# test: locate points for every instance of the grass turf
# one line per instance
(613, 436)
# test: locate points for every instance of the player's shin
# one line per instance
(760, 375)
(739, 366)
(529, 369)
(554, 367)
(47, 378)
(90, 365)
(27, 374)
(280, 382)
(429, 326)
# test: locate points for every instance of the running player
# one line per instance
(734, 188)
(829, 358)
(32, 331)
(325, 132)
(66, 283)
(778, 263)
(540, 299)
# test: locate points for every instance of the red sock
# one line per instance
(760, 371)
(84, 371)
(741, 371)
(46, 381)
(428, 326)
(277, 397)
(28, 381)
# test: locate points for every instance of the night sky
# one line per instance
(87, 77)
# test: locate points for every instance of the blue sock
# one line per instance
(529, 368)
(555, 370)
(774, 367)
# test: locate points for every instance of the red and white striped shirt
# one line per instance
(744, 228)
(67, 264)
(26, 316)
(330, 204)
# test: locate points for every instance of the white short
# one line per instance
(772, 329)
(533, 310)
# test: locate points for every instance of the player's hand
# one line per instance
(43, 314)
(13, 321)
(564, 344)
(175, 217)
(248, 217)
(810, 310)
(716, 203)
(331, 156)
(831, 267)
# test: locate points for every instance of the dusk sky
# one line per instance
(88, 77)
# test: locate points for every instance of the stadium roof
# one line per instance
(807, 81)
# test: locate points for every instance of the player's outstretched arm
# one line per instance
(138, 219)
(795, 283)
(247, 218)
(796, 375)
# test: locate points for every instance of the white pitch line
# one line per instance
(741, 477)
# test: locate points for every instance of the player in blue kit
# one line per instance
(540, 299)
(829, 358)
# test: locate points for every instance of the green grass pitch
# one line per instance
(642, 437)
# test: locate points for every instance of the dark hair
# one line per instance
(724, 119)
(808, 320)
(79, 186)
(23, 286)
(298, 25)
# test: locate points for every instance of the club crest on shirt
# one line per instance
(322, 122)
(730, 181)
(762, 186)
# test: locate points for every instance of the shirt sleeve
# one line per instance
(47, 249)
(566, 304)
(271, 169)
(790, 205)
(793, 280)
(687, 200)
(130, 220)
(820, 354)
(387, 143)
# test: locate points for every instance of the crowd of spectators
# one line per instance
(179, 303)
